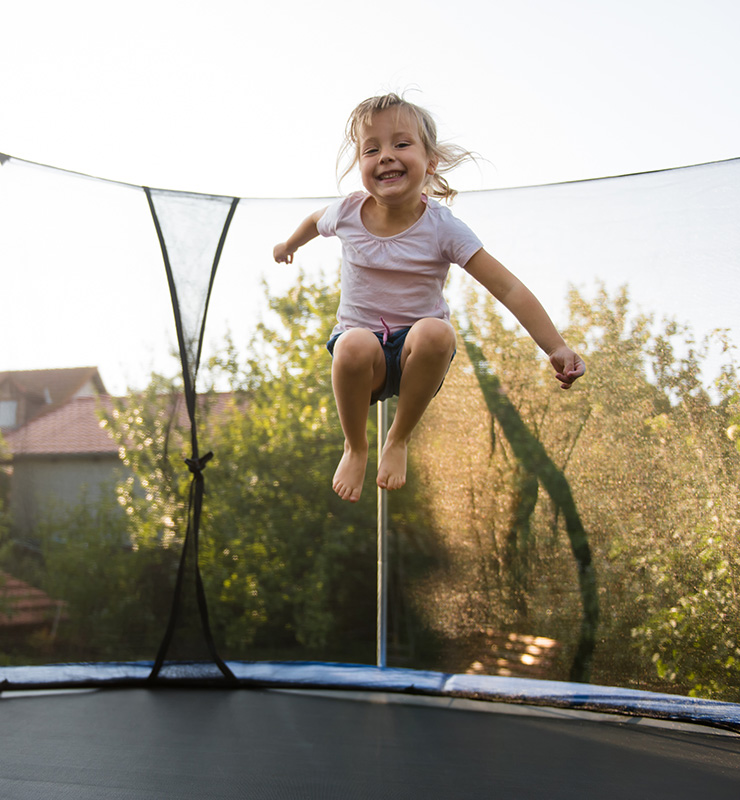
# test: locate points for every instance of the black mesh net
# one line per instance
(165, 493)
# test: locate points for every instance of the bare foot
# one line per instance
(392, 469)
(350, 474)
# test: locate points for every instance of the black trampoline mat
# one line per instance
(186, 743)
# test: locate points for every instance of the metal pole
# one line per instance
(382, 625)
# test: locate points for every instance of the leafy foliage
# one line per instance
(650, 461)
(116, 594)
(287, 566)
(650, 455)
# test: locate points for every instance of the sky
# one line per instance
(250, 99)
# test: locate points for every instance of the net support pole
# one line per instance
(382, 623)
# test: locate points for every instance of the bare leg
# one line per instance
(358, 369)
(426, 356)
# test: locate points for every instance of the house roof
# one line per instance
(21, 604)
(60, 383)
(76, 429)
(73, 429)
(54, 387)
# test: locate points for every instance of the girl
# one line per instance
(393, 334)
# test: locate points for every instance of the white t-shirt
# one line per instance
(399, 278)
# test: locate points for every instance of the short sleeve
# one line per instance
(457, 242)
(327, 224)
(336, 211)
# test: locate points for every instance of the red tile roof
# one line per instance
(72, 429)
(75, 428)
(21, 604)
(45, 390)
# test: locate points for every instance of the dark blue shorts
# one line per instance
(392, 348)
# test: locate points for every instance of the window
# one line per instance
(8, 413)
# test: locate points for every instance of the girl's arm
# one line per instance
(510, 291)
(307, 230)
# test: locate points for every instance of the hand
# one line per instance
(568, 366)
(282, 253)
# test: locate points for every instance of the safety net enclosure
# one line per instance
(166, 512)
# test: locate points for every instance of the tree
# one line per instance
(287, 566)
(645, 453)
(280, 546)
(289, 560)
(116, 587)
(504, 398)
(690, 632)
(538, 468)
(640, 453)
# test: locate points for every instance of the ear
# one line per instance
(432, 166)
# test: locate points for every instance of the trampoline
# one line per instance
(198, 718)
(301, 743)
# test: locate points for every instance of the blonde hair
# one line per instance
(448, 156)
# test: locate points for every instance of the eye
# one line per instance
(369, 151)
(404, 144)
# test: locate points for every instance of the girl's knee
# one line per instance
(357, 347)
(434, 336)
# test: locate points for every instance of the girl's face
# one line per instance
(394, 164)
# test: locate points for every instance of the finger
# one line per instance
(579, 368)
(570, 367)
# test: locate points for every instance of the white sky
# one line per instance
(250, 99)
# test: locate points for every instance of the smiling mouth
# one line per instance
(387, 176)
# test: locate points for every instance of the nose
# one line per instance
(386, 156)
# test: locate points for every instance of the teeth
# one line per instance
(386, 175)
